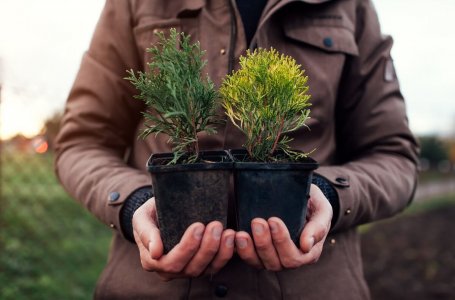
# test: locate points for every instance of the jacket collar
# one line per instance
(191, 7)
(283, 2)
(274, 5)
(315, 1)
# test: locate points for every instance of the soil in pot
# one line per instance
(279, 189)
(189, 193)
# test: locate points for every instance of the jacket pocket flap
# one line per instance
(328, 38)
(147, 25)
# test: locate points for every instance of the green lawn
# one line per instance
(433, 175)
(51, 247)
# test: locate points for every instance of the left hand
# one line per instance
(272, 248)
(202, 249)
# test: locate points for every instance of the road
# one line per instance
(434, 189)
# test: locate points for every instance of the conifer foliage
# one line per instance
(180, 102)
(266, 99)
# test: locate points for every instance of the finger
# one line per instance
(207, 251)
(313, 233)
(177, 259)
(290, 256)
(225, 252)
(245, 249)
(145, 229)
(264, 245)
(147, 262)
(313, 255)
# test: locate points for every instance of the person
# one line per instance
(368, 155)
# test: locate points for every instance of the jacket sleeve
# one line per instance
(100, 120)
(376, 173)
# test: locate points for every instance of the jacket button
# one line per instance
(221, 290)
(328, 42)
(347, 211)
(223, 51)
(332, 241)
(114, 196)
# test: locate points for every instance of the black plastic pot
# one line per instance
(279, 189)
(188, 193)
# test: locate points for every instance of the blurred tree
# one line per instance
(451, 145)
(51, 128)
(18, 143)
(433, 150)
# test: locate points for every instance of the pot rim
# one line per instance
(307, 163)
(224, 163)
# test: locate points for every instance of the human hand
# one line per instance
(202, 249)
(272, 248)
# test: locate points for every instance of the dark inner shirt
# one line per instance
(250, 11)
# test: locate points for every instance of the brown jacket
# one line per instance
(358, 126)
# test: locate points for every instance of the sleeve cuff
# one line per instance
(131, 204)
(330, 193)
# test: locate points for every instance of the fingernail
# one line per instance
(273, 227)
(311, 242)
(198, 232)
(241, 243)
(150, 250)
(216, 233)
(258, 229)
(230, 242)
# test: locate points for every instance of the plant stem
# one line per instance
(280, 130)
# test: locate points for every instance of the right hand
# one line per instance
(202, 249)
(271, 246)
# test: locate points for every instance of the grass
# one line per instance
(432, 204)
(434, 176)
(51, 248)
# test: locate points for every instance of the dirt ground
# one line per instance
(412, 256)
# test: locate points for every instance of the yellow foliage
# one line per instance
(266, 98)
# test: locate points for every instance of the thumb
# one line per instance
(318, 220)
(146, 229)
(155, 245)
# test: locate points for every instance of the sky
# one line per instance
(42, 43)
(41, 46)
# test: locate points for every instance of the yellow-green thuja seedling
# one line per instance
(266, 99)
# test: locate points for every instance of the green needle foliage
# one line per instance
(267, 98)
(179, 102)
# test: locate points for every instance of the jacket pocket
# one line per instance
(322, 48)
(145, 35)
(329, 38)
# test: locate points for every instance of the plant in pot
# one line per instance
(189, 185)
(266, 99)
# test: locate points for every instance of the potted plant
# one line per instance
(266, 99)
(189, 185)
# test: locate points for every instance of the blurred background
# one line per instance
(51, 248)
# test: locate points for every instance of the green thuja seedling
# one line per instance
(266, 99)
(180, 103)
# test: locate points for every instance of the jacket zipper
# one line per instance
(233, 38)
(231, 57)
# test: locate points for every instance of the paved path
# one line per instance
(434, 189)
